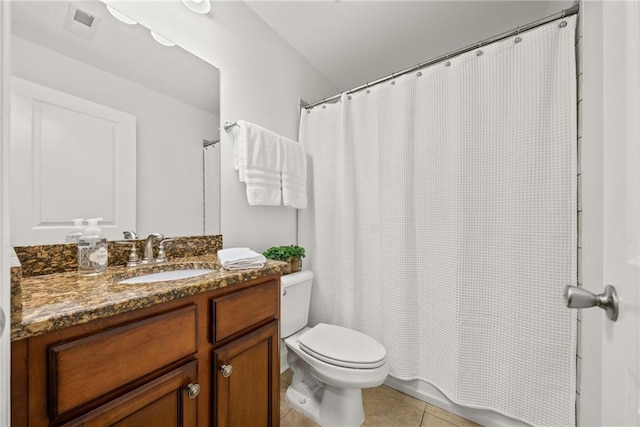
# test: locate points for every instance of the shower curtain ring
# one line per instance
(518, 39)
(563, 23)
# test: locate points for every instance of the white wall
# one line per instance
(5, 289)
(556, 6)
(261, 80)
(169, 135)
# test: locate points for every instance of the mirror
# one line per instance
(107, 122)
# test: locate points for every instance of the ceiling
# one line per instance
(355, 42)
(127, 51)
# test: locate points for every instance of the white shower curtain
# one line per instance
(442, 222)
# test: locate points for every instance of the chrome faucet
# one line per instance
(148, 247)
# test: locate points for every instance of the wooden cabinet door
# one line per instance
(163, 402)
(113, 358)
(249, 396)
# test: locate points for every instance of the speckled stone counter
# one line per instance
(47, 294)
(56, 301)
(16, 277)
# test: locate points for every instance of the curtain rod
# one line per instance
(559, 15)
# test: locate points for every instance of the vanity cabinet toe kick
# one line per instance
(206, 359)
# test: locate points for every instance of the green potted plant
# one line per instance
(292, 254)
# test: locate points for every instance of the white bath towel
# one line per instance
(294, 174)
(258, 160)
(240, 259)
(239, 147)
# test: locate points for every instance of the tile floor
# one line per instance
(383, 407)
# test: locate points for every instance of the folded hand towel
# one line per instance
(244, 266)
(294, 174)
(240, 259)
(257, 157)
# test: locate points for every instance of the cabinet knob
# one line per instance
(193, 390)
(226, 370)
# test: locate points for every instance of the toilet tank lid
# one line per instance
(296, 278)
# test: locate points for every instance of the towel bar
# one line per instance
(229, 125)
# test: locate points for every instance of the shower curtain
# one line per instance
(442, 222)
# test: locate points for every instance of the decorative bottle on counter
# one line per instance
(92, 250)
(74, 235)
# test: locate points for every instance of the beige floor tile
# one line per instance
(383, 409)
(383, 406)
(285, 408)
(433, 421)
(398, 395)
(286, 376)
(296, 419)
(452, 418)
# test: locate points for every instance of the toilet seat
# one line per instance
(342, 347)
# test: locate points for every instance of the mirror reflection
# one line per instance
(107, 122)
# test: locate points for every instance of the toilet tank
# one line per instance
(295, 292)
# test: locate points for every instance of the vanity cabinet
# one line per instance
(158, 365)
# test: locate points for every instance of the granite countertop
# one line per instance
(57, 301)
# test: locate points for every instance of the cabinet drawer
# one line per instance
(240, 310)
(87, 368)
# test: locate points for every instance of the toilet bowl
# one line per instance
(331, 364)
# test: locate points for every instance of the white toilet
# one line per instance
(330, 364)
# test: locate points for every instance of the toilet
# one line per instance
(331, 364)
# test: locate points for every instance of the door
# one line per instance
(70, 158)
(621, 213)
(246, 383)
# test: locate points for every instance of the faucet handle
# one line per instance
(162, 256)
(133, 254)
(130, 235)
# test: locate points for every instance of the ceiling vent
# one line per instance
(83, 17)
(81, 22)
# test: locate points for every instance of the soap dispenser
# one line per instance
(73, 236)
(92, 250)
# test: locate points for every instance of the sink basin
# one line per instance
(165, 276)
